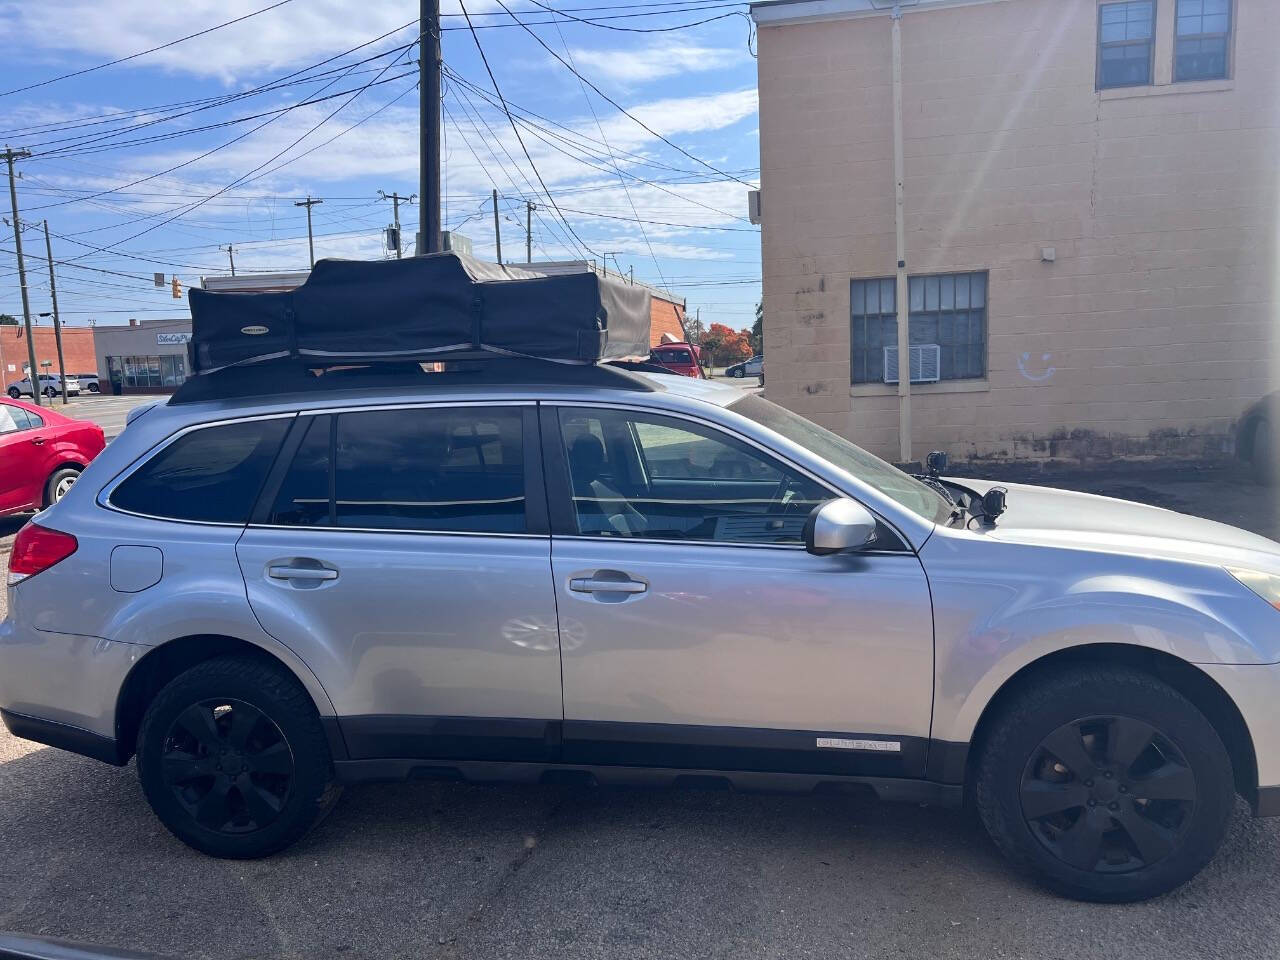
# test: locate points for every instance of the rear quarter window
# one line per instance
(210, 475)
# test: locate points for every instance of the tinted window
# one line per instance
(303, 497)
(212, 474)
(9, 418)
(446, 469)
(636, 475)
(25, 419)
(674, 356)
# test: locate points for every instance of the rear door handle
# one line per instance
(592, 585)
(301, 573)
(37, 440)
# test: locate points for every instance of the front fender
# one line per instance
(1000, 607)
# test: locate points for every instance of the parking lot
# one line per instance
(448, 870)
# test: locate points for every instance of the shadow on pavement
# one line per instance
(429, 869)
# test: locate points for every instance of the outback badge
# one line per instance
(254, 330)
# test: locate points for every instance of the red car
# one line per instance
(681, 358)
(41, 454)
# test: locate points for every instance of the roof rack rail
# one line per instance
(285, 376)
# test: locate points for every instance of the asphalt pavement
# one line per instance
(456, 871)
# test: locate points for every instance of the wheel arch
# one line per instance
(165, 662)
(1185, 677)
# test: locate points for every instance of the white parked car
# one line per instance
(88, 381)
(50, 386)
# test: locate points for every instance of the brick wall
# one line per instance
(1154, 327)
(665, 317)
(77, 350)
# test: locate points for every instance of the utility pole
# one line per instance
(904, 315)
(528, 231)
(631, 274)
(9, 156)
(497, 230)
(429, 123)
(57, 324)
(231, 255)
(311, 244)
(395, 199)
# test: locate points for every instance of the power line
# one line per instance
(143, 53)
(619, 106)
(605, 26)
(516, 129)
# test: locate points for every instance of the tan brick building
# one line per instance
(1091, 214)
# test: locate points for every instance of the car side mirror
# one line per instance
(839, 525)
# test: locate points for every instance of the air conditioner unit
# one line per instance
(926, 360)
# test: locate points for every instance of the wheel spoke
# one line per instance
(1067, 745)
(243, 719)
(1152, 840)
(179, 767)
(1081, 845)
(261, 805)
(1040, 798)
(197, 720)
(1127, 738)
(214, 810)
(274, 759)
(1170, 782)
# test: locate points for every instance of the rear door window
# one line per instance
(210, 475)
(445, 469)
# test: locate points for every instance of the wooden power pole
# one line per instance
(9, 156)
(311, 243)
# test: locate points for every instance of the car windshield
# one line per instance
(871, 470)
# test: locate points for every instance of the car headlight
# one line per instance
(1265, 585)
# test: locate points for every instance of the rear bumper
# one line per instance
(63, 736)
(71, 683)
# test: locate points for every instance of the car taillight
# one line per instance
(38, 548)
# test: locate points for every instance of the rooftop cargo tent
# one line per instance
(422, 309)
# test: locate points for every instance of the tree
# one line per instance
(757, 331)
(723, 346)
(8, 321)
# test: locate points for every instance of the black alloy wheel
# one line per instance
(1108, 794)
(228, 765)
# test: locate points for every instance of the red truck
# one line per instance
(682, 358)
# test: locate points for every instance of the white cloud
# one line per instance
(298, 32)
(659, 59)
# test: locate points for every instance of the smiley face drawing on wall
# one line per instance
(1049, 371)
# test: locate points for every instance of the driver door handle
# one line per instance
(301, 573)
(592, 585)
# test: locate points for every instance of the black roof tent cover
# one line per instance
(422, 308)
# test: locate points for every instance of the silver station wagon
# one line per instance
(522, 570)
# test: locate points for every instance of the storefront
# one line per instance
(147, 356)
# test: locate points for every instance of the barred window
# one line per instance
(1125, 32)
(949, 310)
(1203, 41)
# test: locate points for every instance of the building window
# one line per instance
(1203, 40)
(144, 373)
(873, 316)
(1125, 33)
(949, 310)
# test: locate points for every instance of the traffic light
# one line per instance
(177, 288)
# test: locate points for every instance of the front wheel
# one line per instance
(739, 373)
(50, 392)
(233, 759)
(94, 388)
(1105, 784)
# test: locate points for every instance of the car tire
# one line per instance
(739, 373)
(14, 392)
(1061, 775)
(49, 392)
(233, 759)
(59, 483)
(93, 388)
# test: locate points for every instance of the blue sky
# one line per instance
(93, 172)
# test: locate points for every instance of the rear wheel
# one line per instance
(50, 392)
(739, 373)
(1105, 784)
(14, 392)
(59, 483)
(233, 759)
(94, 388)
